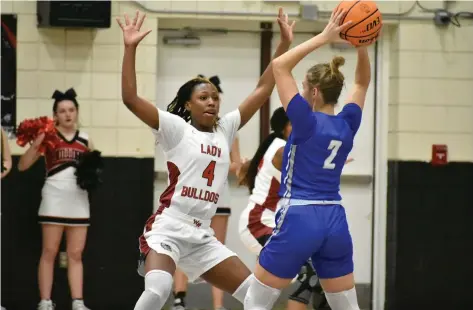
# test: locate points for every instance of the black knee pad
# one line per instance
(309, 286)
(307, 280)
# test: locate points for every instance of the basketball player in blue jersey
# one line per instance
(311, 223)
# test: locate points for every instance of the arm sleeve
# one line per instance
(302, 118)
(230, 123)
(171, 130)
(352, 113)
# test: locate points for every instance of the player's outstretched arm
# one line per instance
(266, 82)
(132, 36)
(283, 65)
(362, 78)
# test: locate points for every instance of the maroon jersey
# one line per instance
(66, 153)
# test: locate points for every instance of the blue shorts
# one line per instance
(319, 232)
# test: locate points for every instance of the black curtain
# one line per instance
(9, 29)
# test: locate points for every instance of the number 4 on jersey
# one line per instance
(209, 173)
(334, 146)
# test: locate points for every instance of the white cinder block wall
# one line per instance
(89, 61)
(431, 89)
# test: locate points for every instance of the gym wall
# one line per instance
(430, 102)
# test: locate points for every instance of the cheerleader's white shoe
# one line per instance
(79, 305)
(46, 305)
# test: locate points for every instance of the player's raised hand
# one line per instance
(132, 34)
(333, 28)
(286, 28)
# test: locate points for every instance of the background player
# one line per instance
(64, 205)
(311, 222)
(198, 160)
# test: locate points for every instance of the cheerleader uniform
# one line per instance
(63, 201)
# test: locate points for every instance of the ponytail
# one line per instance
(249, 179)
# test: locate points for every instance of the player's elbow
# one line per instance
(278, 65)
(129, 101)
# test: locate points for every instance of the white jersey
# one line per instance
(268, 178)
(197, 163)
(257, 219)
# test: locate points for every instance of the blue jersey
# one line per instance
(316, 151)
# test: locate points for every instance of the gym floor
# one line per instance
(199, 297)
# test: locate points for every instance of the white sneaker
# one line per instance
(79, 305)
(46, 305)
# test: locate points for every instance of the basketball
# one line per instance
(366, 22)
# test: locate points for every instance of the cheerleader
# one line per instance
(64, 205)
(6, 155)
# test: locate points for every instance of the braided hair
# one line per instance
(178, 104)
(279, 121)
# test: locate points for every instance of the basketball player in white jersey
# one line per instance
(64, 205)
(262, 176)
(198, 160)
(219, 224)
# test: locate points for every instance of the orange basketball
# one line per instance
(366, 22)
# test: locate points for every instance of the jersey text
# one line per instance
(199, 194)
(211, 150)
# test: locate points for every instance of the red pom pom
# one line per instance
(30, 129)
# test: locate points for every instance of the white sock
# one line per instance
(345, 300)
(158, 285)
(260, 296)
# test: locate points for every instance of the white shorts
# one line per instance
(190, 242)
(64, 203)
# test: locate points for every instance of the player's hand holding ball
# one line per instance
(332, 32)
(132, 34)
(366, 22)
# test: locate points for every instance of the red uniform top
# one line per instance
(66, 153)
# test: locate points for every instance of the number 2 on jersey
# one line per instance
(334, 146)
(209, 173)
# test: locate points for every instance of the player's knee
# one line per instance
(74, 254)
(49, 253)
(345, 300)
(159, 283)
(260, 296)
(307, 280)
(241, 291)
